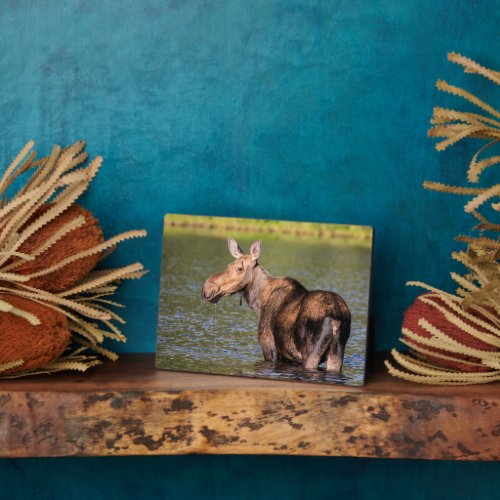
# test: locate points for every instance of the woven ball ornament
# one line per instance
(34, 345)
(82, 238)
(428, 315)
(449, 344)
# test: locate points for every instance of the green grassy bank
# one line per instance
(222, 226)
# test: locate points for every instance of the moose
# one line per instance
(295, 325)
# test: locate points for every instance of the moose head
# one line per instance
(237, 275)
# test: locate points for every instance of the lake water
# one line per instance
(194, 335)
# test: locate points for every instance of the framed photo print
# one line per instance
(262, 298)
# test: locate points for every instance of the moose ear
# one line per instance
(234, 249)
(255, 249)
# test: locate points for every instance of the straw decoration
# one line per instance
(55, 311)
(454, 339)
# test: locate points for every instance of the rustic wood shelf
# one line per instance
(130, 408)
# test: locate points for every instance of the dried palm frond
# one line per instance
(437, 357)
(11, 364)
(55, 182)
(73, 361)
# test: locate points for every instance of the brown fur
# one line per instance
(295, 325)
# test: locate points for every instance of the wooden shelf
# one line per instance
(130, 408)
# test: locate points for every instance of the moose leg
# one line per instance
(335, 356)
(266, 341)
(321, 341)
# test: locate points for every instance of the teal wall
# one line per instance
(303, 110)
(245, 478)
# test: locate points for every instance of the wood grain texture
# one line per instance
(130, 408)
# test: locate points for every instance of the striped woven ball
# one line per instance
(36, 345)
(75, 241)
(422, 310)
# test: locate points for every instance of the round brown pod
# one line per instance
(423, 310)
(36, 345)
(77, 240)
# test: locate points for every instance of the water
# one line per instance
(194, 335)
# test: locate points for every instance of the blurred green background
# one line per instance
(311, 232)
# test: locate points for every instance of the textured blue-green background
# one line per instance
(303, 110)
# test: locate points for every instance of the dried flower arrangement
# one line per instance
(455, 339)
(55, 310)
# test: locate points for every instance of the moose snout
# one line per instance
(209, 291)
